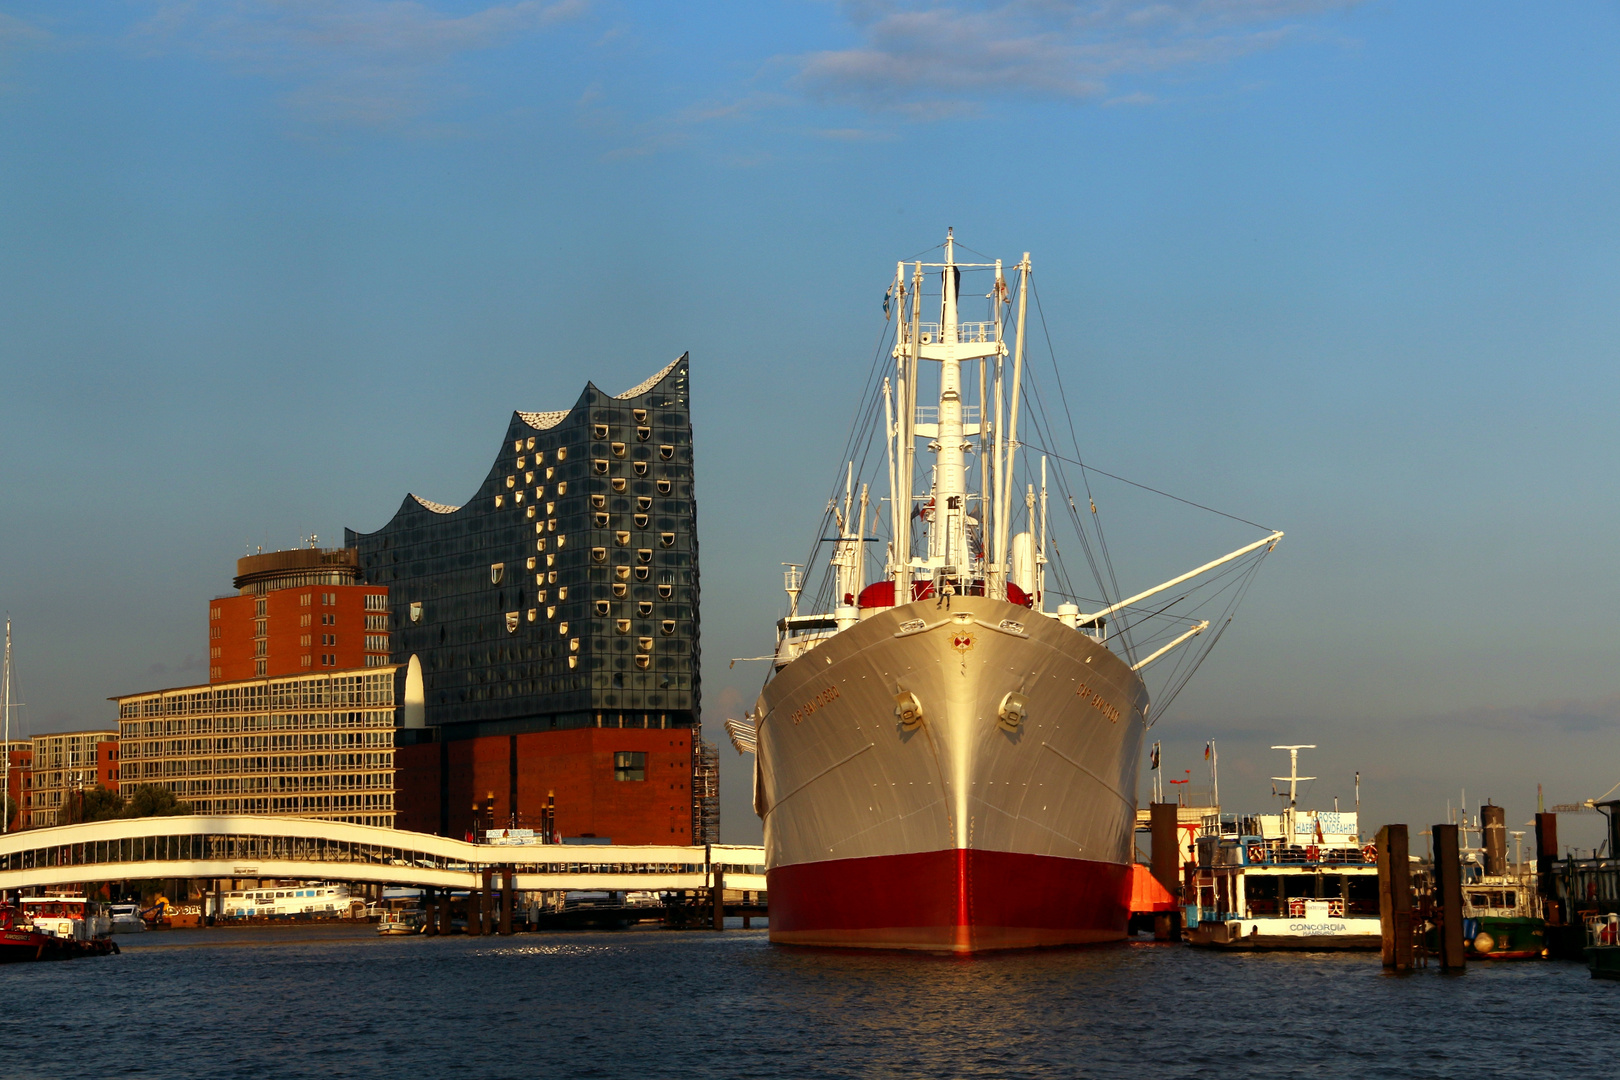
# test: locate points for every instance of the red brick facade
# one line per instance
(574, 766)
(315, 628)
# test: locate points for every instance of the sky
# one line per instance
(1343, 269)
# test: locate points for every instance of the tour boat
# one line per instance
(944, 760)
(309, 900)
(1297, 879)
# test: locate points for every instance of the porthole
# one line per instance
(665, 590)
(617, 484)
(639, 519)
(666, 539)
(600, 466)
(663, 487)
(643, 433)
(620, 588)
(643, 661)
(621, 626)
(618, 449)
(640, 415)
(667, 626)
(639, 467)
(666, 451)
(644, 644)
(600, 431)
(603, 608)
(643, 573)
(644, 608)
(623, 572)
(644, 556)
(599, 554)
(599, 502)
(643, 502)
(622, 539)
(603, 520)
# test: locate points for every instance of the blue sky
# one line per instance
(1345, 269)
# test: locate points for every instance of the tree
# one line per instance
(9, 807)
(154, 800)
(97, 804)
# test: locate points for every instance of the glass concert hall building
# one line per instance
(547, 630)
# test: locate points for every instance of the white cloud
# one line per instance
(930, 59)
(359, 61)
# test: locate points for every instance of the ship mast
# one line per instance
(5, 707)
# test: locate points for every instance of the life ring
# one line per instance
(1370, 853)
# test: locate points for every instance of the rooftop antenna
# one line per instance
(1293, 776)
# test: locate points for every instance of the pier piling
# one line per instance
(1165, 857)
(1448, 897)
(444, 912)
(430, 925)
(508, 899)
(1493, 823)
(1395, 897)
(1546, 855)
(718, 895)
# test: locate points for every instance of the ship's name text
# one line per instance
(1097, 701)
(826, 697)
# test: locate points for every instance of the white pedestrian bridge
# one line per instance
(306, 849)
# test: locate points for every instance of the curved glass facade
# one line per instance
(565, 592)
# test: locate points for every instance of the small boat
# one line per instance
(1300, 879)
(405, 920)
(53, 928)
(1603, 946)
(310, 900)
(1500, 920)
(126, 919)
(76, 918)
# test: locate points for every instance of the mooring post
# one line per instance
(1165, 857)
(1546, 855)
(1493, 825)
(1448, 897)
(1395, 897)
(444, 912)
(430, 904)
(718, 895)
(508, 892)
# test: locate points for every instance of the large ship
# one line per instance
(942, 762)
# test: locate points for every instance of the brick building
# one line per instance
(64, 764)
(18, 779)
(548, 628)
(294, 612)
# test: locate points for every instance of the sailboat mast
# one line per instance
(1004, 511)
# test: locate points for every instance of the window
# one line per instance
(644, 556)
(599, 430)
(640, 415)
(617, 448)
(600, 465)
(599, 502)
(643, 661)
(303, 601)
(376, 642)
(666, 451)
(622, 539)
(644, 608)
(630, 765)
(640, 520)
(620, 588)
(667, 539)
(640, 467)
(617, 484)
(603, 607)
(643, 433)
(621, 625)
(376, 601)
(643, 502)
(599, 554)
(667, 626)
(603, 520)
(496, 572)
(663, 487)
(562, 487)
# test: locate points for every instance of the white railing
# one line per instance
(967, 333)
(929, 414)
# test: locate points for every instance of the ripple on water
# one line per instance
(339, 1002)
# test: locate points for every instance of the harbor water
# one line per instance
(340, 1001)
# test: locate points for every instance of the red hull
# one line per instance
(949, 901)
